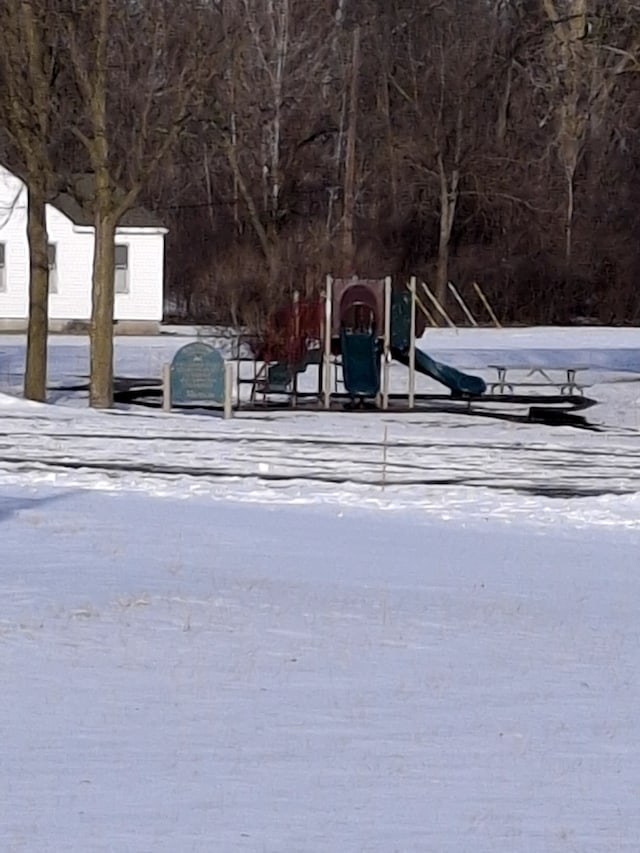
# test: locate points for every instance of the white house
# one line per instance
(139, 279)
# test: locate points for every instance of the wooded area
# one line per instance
(467, 140)
(455, 139)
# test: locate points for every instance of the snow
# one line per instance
(281, 634)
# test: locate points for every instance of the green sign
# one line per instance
(197, 375)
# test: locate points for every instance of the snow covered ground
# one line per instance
(279, 634)
(448, 465)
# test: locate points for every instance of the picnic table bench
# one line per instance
(568, 383)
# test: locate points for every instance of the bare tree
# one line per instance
(443, 102)
(141, 70)
(584, 62)
(349, 195)
(276, 58)
(28, 105)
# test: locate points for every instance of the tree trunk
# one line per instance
(103, 301)
(442, 271)
(254, 215)
(448, 203)
(391, 154)
(568, 239)
(348, 241)
(503, 110)
(35, 378)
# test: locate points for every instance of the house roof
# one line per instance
(80, 214)
(76, 202)
(77, 206)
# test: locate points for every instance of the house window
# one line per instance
(53, 269)
(3, 270)
(122, 269)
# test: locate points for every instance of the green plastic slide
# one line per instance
(460, 383)
(360, 363)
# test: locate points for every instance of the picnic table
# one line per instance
(567, 382)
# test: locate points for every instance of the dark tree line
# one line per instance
(459, 140)
(488, 141)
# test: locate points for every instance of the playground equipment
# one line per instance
(358, 326)
(343, 342)
(377, 324)
(290, 344)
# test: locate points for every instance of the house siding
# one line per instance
(144, 301)
(14, 299)
(74, 263)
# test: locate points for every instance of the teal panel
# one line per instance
(360, 363)
(197, 375)
(401, 319)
